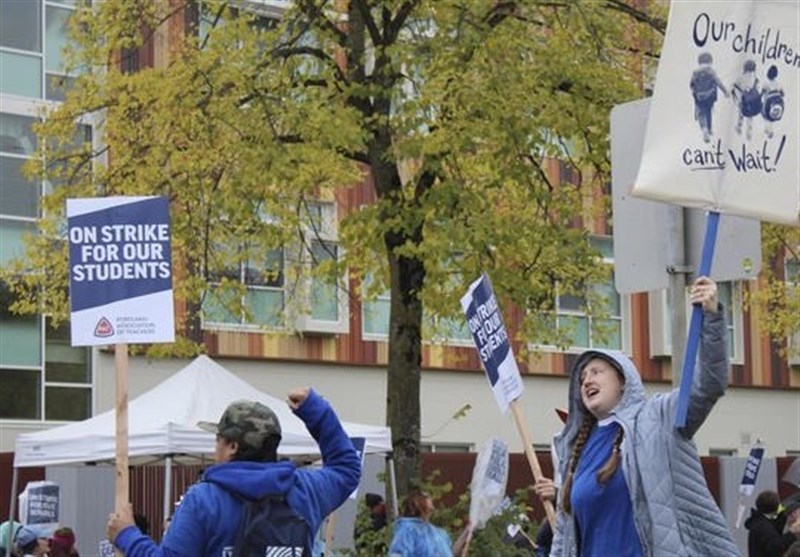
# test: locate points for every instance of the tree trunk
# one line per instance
(405, 362)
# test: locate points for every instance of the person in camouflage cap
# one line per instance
(247, 468)
(254, 427)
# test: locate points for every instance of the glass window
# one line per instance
(585, 330)
(56, 86)
(20, 74)
(18, 195)
(66, 375)
(262, 302)
(375, 312)
(56, 36)
(20, 340)
(20, 393)
(725, 294)
(11, 234)
(16, 134)
(20, 24)
(324, 298)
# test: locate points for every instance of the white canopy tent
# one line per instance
(162, 423)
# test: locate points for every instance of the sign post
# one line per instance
(494, 349)
(724, 124)
(120, 277)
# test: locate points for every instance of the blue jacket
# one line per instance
(674, 511)
(414, 537)
(205, 523)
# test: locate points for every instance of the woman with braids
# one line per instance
(633, 484)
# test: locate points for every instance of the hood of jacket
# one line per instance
(633, 393)
(253, 480)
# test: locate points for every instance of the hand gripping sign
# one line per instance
(724, 124)
(494, 349)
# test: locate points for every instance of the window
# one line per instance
(375, 313)
(729, 293)
(574, 317)
(258, 300)
(53, 383)
(33, 34)
(322, 290)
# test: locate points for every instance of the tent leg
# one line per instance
(11, 509)
(167, 489)
(393, 486)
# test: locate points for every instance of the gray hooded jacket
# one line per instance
(674, 511)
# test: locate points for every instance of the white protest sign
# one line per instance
(106, 549)
(120, 270)
(489, 478)
(723, 131)
(491, 340)
(749, 477)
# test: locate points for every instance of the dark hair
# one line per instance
(267, 452)
(772, 72)
(749, 66)
(142, 523)
(767, 502)
(704, 58)
(414, 504)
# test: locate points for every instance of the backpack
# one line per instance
(704, 86)
(750, 103)
(269, 527)
(773, 105)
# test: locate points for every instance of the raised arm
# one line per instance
(341, 468)
(711, 371)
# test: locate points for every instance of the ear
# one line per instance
(229, 449)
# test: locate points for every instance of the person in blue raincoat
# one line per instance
(415, 536)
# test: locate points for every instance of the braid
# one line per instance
(611, 465)
(583, 434)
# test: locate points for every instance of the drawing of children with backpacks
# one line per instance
(704, 84)
(772, 100)
(747, 96)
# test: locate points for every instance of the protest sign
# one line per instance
(120, 270)
(724, 125)
(489, 479)
(749, 477)
(723, 131)
(39, 503)
(494, 349)
(491, 340)
(105, 549)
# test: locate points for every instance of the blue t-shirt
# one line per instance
(603, 513)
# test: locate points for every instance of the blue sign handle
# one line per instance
(696, 324)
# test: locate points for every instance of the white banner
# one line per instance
(724, 127)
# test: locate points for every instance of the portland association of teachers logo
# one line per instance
(103, 329)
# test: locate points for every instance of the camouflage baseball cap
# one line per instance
(247, 422)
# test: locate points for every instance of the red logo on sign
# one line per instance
(103, 328)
